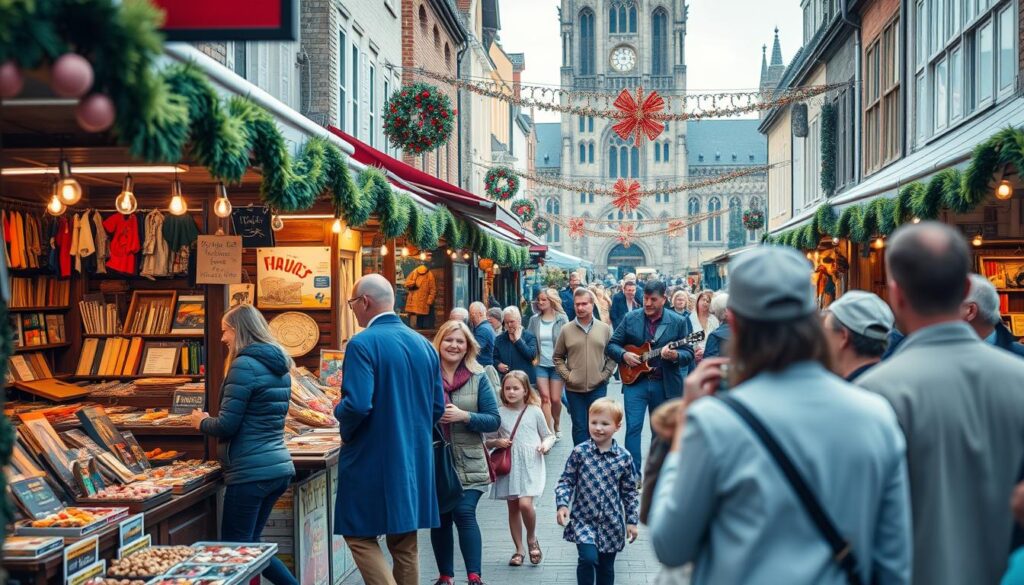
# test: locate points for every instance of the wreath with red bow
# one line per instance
(501, 184)
(418, 118)
(524, 209)
(541, 226)
(753, 219)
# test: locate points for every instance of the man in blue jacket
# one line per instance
(483, 332)
(391, 400)
(665, 380)
(981, 311)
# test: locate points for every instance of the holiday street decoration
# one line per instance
(675, 227)
(418, 118)
(541, 226)
(524, 209)
(610, 228)
(625, 236)
(627, 195)
(639, 115)
(501, 184)
(753, 219)
(575, 226)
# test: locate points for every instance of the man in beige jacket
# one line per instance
(580, 361)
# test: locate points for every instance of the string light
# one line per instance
(55, 207)
(336, 226)
(126, 203)
(222, 207)
(423, 255)
(405, 252)
(835, 239)
(916, 220)
(1004, 191)
(879, 243)
(68, 188)
(178, 204)
(977, 241)
(383, 249)
(465, 255)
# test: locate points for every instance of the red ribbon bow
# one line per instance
(639, 115)
(625, 236)
(576, 228)
(627, 195)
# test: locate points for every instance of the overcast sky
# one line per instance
(723, 40)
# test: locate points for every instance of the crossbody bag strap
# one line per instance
(842, 550)
(518, 420)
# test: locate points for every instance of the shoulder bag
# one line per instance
(446, 480)
(842, 550)
(501, 459)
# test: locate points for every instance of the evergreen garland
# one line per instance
(828, 149)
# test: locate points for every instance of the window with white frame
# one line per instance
(343, 81)
(354, 76)
(812, 164)
(553, 207)
(755, 203)
(693, 230)
(372, 109)
(882, 99)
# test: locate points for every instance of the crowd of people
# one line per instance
(789, 444)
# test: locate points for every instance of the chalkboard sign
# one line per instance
(219, 260)
(253, 224)
(187, 400)
(35, 497)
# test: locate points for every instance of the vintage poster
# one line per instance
(293, 278)
(331, 362)
(314, 558)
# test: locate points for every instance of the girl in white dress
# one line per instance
(526, 479)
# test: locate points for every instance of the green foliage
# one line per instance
(826, 220)
(828, 149)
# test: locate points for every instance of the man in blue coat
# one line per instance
(391, 399)
(624, 301)
(665, 380)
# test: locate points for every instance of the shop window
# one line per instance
(693, 230)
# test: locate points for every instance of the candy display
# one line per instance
(150, 562)
(159, 454)
(215, 553)
(67, 518)
(111, 581)
(188, 581)
(134, 491)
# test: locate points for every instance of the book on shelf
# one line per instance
(27, 367)
(98, 316)
(33, 329)
(39, 291)
(150, 313)
(55, 328)
(193, 358)
(17, 339)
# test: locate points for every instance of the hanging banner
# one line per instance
(219, 260)
(230, 20)
(293, 278)
(253, 224)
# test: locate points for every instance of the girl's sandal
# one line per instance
(535, 554)
(516, 560)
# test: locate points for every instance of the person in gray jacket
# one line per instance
(722, 501)
(961, 406)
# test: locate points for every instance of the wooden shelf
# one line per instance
(77, 378)
(40, 347)
(148, 335)
(36, 309)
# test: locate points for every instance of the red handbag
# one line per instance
(501, 459)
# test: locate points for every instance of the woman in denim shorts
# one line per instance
(545, 326)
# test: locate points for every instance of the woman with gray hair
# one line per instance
(516, 348)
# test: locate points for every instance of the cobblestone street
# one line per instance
(635, 565)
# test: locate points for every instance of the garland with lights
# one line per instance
(501, 184)
(418, 118)
(541, 226)
(524, 209)
(949, 189)
(753, 219)
(577, 226)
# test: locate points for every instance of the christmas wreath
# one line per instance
(524, 209)
(418, 118)
(753, 219)
(541, 226)
(501, 183)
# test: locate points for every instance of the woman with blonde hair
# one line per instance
(545, 325)
(701, 319)
(254, 401)
(680, 302)
(603, 303)
(471, 409)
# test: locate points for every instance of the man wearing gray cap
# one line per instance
(857, 327)
(959, 402)
(723, 501)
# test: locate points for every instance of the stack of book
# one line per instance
(39, 291)
(98, 316)
(27, 367)
(112, 356)
(36, 433)
(100, 429)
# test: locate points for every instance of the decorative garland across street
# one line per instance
(950, 189)
(580, 225)
(524, 209)
(501, 183)
(418, 118)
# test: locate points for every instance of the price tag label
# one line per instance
(94, 570)
(131, 529)
(80, 555)
(130, 549)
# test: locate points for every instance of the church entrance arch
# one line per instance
(623, 260)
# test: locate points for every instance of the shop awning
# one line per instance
(730, 254)
(566, 261)
(436, 190)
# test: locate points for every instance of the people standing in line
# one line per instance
(483, 332)
(494, 318)
(521, 414)
(459, 314)
(580, 360)
(471, 409)
(857, 327)
(701, 319)
(981, 311)
(546, 326)
(959, 402)
(680, 300)
(254, 402)
(625, 301)
(722, 501)
(660, 327)
(597, 497)
(715, 343)
(516, 348)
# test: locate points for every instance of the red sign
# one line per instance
(230, 20)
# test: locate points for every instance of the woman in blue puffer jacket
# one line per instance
(254, 402)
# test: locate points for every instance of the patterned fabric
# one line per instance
(600, 490)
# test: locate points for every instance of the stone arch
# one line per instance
(606, 247)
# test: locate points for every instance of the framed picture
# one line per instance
(331, 361)
(189, 314)
(1006, 273)
(293, 277)
(160, 358)
(1017, 324)
(241, 294)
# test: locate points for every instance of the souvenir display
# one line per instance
(72, 522)
(138, 496)
(223, 553)
(151, 562)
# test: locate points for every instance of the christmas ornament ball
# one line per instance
(71, 76)
(11, 80)
(95, 113)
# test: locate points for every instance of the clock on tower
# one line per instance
(623, 58)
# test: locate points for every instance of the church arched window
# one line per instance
(553, 207)
(659, 44)
(735, 215)
(622, 17)
(714, 223)
(583, 153)
(587, 45)
(623, 159)
(590, 152)
(664, 151)
(582, 121)
(693, 231)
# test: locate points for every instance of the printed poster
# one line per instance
(314, 559)
(293, 278)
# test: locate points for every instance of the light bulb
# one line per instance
(423, 255)
(879, 243)
(835, 239)
(977, 241)
(276, 223)
(465, 255)
(1004, 191)
(222, 207)
(55, 206)
(916, 220)
(405, 252)
(336, 226)
(126, 203)
(809, 257)
(68, 189)
(178, 205)
(384, 250)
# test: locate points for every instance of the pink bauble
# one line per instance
(95, 113)
(71, 76)
(11, 80)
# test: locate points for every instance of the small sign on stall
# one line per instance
(185, 401)
(253, 224)
(131, 529)
(94, 570)
(219, 260)
(80, 556)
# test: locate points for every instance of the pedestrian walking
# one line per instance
(727, 498)
(659, 326)
(981, 311)
(959, 403)
(494, 318)
(391, 399)
(471, 409)
(597, 497)
(516, 348)
(254, 402)
(546, 326)
(566, 295)
(580, 360)
(483, 332)
(525, 432)
(857, 327)
(624, 301)
(715, 343)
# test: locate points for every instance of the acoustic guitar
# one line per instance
(630, 374)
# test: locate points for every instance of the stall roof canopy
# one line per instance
(565, 261)
(435, 190)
